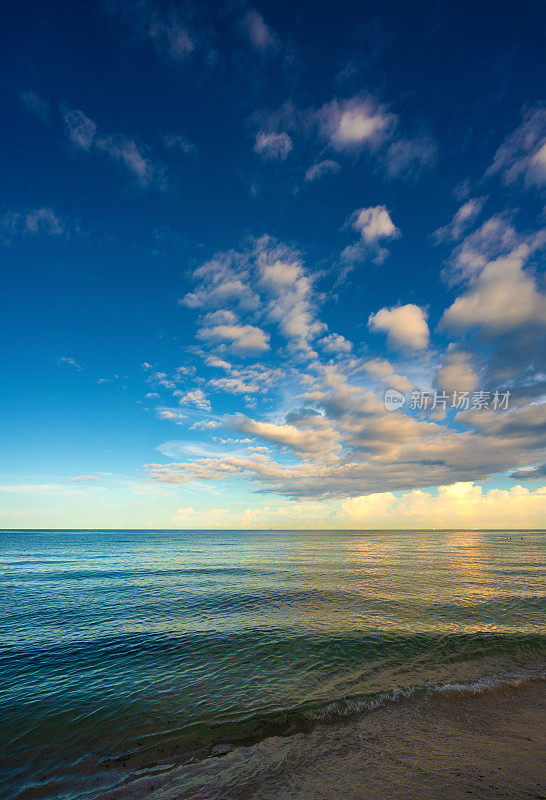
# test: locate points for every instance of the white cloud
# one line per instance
(335, 343)
(273, 145)
(259, 34)
(383, 370)
(83, 134)
(239, 338)
(458, 505)
(292, 305)
(132, 156)
(322, 168)
(523, 154)
(405, 326)
(463, 218)
(43, 220)
(218, 363)
(71, 362)
(170, 414)
(164, 28)
(409, 157)
(374, 223)
(494, 238)
(40, 222)
(354, 123)
(503, 297)
(233, 385)
(171, 38)
(205, 425)
(317, 437)
(81, 130)
(35, 104)
(224, 278)
(195, 397)
(455, 373)
(354, 446)
(178, 142)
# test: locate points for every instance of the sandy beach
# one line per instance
(455, 745)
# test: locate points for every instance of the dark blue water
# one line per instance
(130, 650)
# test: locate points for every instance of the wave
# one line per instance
(341, 709)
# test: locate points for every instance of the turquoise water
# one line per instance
(125, 651)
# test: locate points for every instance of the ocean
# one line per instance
(126, 655)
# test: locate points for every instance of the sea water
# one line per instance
(128, 652)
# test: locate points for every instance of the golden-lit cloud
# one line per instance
(457, 505)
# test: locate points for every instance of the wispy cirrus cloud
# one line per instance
(35, 104)
(37, 224)
(137, 159)
(352, 127)
(462, 220)
(321, 169)
(70, 362)
(273, 145)
(261, 37)
(522, 156)
(167, 29)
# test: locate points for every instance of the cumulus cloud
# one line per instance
(195, 397)
(292, 305)
(233, 385)
(354, 123)
(383, 370)
(455, 373)
(374, 223)
(205, 425)
(457, 505)
(171, 414)
(224, 278)
(267, 283)
(405, 326)
(375, 226)
(495, 237)
(335, 343)
(348, 444)
(503, 297)
(316, 436)
(239, 338)
(276, 146)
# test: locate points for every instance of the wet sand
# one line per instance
(452, 746)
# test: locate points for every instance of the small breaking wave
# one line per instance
(350, 707)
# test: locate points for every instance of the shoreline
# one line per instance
(457, 744)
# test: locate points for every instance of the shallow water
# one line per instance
(124, 650)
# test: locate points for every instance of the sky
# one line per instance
(276, 265)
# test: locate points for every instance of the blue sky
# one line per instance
(227, 230)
